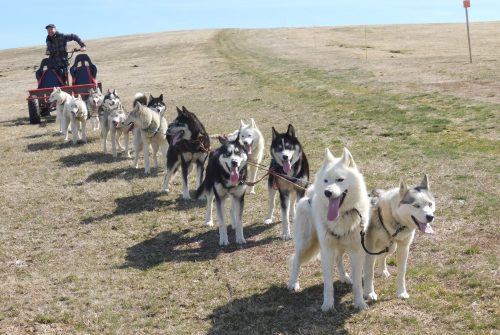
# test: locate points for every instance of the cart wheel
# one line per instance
(34, 110)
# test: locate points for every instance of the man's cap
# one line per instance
(50, 26)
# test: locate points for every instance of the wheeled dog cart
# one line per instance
(50, 75)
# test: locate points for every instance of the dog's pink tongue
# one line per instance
(249, 148)
(333, 209)
(287, 166)
(177, 138)
(234, 176)
(425, 228)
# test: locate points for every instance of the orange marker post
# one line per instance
(467, 5)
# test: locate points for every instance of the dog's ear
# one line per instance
(328, 157)
(275, 133)
(161, 97)
(184, 109)
(98, 90)
(347, 159)
(425, 182)
(252, 122)
(242, 124)
(178, 110)
(114, 92)
(223, 139)
(403, 189)
(91, 91)
(290, 131)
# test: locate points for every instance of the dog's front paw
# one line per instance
(294, 286)
(386, 273)
(268, 221)
(147, 172)
(241, 240)
(186, 197)
(327, 306)
(371, 296)
(209, 223)
(403, 295)
(360, 305)
(223, 241)
(344, 278)
(286, 237)
(251, 190)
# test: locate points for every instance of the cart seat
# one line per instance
(83, 70)
(49, 75)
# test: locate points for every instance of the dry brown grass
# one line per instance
(89, 245)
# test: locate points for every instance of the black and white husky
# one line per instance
(226, 176)
(111, 122)
(290, 175)
(189, 144)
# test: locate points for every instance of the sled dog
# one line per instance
(153, 130)
(189, 144)
(75, 113)
(395, 216)
(94, 106)
(253, 140)
(226, 175)
(290, 176)
(59, 97)
(112, 121)
(155, 104)
(329, 220)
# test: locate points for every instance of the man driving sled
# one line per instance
(56, 48)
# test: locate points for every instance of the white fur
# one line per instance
(112, 121)
(75, 113)
(396, 213)
(60, 98)
(313, 230)
(253, 140)
(94, 106)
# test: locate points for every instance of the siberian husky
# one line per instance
(153, 129)
(253, 140)
(189, 144)
(290, 176)
(155, 104)
(226, 175)
(94, 105)
(112, 121)
(395, 216)
(75, 113)
(59, 97)
(329, 220)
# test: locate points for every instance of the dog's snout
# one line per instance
(429, 218)
(285, 157)
(328, 194)
(234, 163)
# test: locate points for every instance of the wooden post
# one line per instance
(466, 6)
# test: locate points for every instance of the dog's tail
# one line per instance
(140, 98)
(374, 196)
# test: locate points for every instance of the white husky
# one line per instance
(112, 121)
(60, 98)
(94, 105)
(153, 128)
(75, 112)
(329, 219)
(253, 141)
(395, 216)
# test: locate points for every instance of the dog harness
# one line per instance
(399, 229)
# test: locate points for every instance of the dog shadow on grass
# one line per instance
(55, 145)
(126, 173)
(279, 311)
(189, 246)
(90, 157)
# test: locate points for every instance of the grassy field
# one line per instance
(89, 245)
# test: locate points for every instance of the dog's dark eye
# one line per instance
(326, 181)
(416, 205)
(227, 154)
(339, 180)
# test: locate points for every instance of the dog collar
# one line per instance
(356, 211)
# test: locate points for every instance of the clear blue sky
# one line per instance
(24, 20)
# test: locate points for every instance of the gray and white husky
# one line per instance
(290, 176)
(329, 220)
(112, 121)
(153, 129)
(94, 106)
(395, 216)
(253, 140)
(225, 177)
(75, 113)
